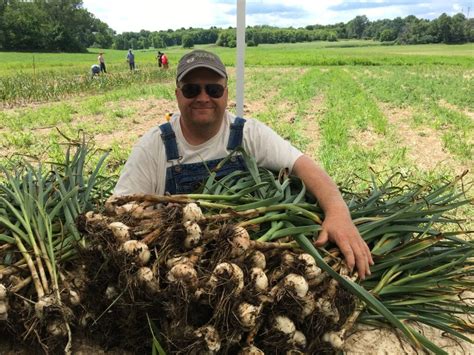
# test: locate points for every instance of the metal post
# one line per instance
(239, 92)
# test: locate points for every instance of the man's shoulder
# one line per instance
(150, 137)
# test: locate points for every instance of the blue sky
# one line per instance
(155, 15)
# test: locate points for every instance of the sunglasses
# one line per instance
(191, 91)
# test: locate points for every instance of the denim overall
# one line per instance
(187, 178)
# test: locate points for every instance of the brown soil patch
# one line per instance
(424, 146)
(148, 113)
(370, 340)
(367, 138)
(445, 104)
(312, 132)
(365, 339)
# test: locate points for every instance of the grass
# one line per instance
(335, 90)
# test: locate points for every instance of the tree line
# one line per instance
(409, 30)
(64, 25)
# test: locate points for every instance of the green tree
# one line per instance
(356, 27)
(388, 35)
(187, 41)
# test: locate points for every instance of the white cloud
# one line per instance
(154, 15)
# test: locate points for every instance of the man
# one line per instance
(169, 158)
(95, 70)
(131, 59)
(101, 60)
(158, 57)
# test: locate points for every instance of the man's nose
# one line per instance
(203, 96)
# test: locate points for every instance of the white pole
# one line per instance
(239, 92)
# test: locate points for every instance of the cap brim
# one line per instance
(183, 74)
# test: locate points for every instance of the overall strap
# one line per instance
(169, 140)
(236, 133)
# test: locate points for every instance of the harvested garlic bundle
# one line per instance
(138, 250)
(192, 213)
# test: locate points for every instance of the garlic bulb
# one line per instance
(299, 339)
(183, 273)
(311, 270)
(193, 234)
(120, 231)
(211, 337)
(177, 260)
(259, 279)
(42, 304)
(284, 325)
(247, 314)
(228, 271)
(240, 242)
(192, 213)
(138, 250)
(251, 350)
(257, 259)
(297, 284)
(145, 274)
(334, 339)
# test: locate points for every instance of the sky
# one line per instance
(156, 15)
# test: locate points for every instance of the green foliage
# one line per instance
(188, 41)
(55, 25)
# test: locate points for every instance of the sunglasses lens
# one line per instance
(190, 90)
(214, 90)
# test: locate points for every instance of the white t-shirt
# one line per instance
(145, 170)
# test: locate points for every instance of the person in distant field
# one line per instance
(95, 70)
(176, 157)
(131, 59)
(101, 60)
(164, 61)
(158, 57)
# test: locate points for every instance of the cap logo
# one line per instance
(190, 60)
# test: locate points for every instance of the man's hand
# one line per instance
(345, 235)
(337, 224)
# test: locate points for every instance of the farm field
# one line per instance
(359, 108)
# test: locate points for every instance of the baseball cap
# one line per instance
(199, 59)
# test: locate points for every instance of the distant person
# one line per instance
(131, 59)
(95, 70)
(102, 62)
(164, 61)
(158, 57)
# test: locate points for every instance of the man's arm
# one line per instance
(337, 225)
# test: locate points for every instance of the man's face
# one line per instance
(202, 111)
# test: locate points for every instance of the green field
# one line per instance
(356, 106)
